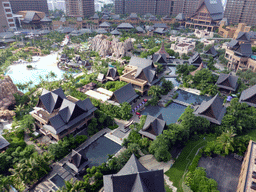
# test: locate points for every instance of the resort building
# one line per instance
(249, 96)
(195, 60)
(141, 73)
(208, 14)
(213, 110)
(246, 37)
(79, 8)
(124, 94)
(6, 16)
(34, 19)
(203, 34)
(241, 12)
(115, 32)
(29, 5)
(240, 56)
(183, 48)
(125, 26)
(105, 25)
(232, 32)
(3, 144)
(101, 78)
(227, 83)
(153, 127)
(161, 56)
(57, 115)
(112, 74)
(134, 177)
(212, 52)
(78, 161)
(87, 87)
(247, 177)
(207, 42)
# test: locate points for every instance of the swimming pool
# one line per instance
(97, 152)
(170, 114)
(174, 81)
(190, 97)
(20, 74)
(253, 57)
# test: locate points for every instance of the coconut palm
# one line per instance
(226, 141)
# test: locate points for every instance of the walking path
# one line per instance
(181, 102)
(150, 162)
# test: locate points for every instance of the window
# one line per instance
(7, 10)
(10, 20)
(6, 5)
(12, 25)
(9, 15)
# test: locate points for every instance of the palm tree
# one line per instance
(5, 183)
(226, 140)
(154, 91)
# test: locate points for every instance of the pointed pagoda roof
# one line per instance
(201, 66)
(153, 126)
(157, 58)
(227, 81)
(112, 74)
(115, 32)
(162, 51)
(212, 51)
(249, 96)
(124, 94)
(213, 110)
(78, 160)
(134, 177)
(195, 60)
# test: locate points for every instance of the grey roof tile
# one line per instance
(3, 142)
(160, 25)
(230, 78)
(125, 94)
(248, 96)
(125, 26)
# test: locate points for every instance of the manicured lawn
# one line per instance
(167, 189)
(176, 172)
(252, 134)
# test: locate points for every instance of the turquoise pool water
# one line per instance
(174, 81)
(190, 97)
(97, 152)
(253, 57)
(170, 114)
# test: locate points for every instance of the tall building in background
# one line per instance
(241, 11)
(56, 4)
(80, 8)
(6, 17)
(157, 7)
(29, 5)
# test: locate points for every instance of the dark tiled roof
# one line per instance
(153, 127)
(101, 31)
(157, 58)
(227, 81)
(3, 142)
(195, 59)
(46, 19)
(125, 26)
(29, 16)
(160, 31)
(248, 96)
(213, 110)
(233, 44)
(95, 16)
(125, 94)
(105, 17)
(134, 177)
(115, 17)
(133, 16)
(212, 51)
(162, 51)
(115, 32)
(112, 72)
(105, 24)
(140, 29)
(215, 8)
(180, 17)
(78, 161)
(160, 25)
(246, 36)
(141, 62)
(244, 49)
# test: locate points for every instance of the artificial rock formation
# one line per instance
(7, 89)
(110, 46)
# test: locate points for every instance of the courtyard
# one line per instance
(224, 170)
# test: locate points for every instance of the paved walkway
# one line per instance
(181, 102)
(194, 91)
(150, 162)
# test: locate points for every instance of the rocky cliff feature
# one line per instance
(105, 45)
(7, 89)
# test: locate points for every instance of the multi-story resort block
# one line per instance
(58, 115)
(247, 177)
(29, 5)
(6, 16)
(241, 11)
(208, 14)
(79, 8)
